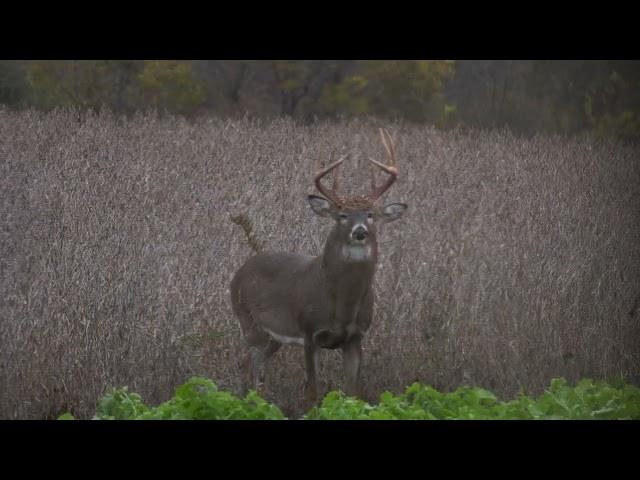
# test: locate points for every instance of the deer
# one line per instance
(322, 302)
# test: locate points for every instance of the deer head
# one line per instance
(356, 217)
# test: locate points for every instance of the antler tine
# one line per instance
(373, 176)
(391, 169)
(389, 146)
(331, 195)
(335, 182)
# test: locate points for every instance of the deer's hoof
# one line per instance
(310, 396)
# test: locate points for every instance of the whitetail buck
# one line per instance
(318, 302)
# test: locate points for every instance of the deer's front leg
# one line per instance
(351, 359)
(311, 359)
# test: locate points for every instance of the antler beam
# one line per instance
(332, 194)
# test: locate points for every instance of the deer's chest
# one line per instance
(338, 304)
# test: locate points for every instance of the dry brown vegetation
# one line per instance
(518, 260)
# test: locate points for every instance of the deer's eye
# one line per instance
(369, 215)
(343, 216)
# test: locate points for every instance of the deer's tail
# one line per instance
(245, 222)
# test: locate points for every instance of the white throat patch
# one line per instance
(356, 253)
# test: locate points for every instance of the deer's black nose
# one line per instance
(360, 233)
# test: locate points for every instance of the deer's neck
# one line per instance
(349, 266)
(348, 278)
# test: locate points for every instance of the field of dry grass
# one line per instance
(518, 260)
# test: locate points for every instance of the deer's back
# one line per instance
(271, 278)
(274, 266)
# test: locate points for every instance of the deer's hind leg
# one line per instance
(259, 358)
(260, 348)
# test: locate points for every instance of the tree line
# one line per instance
(528, 96)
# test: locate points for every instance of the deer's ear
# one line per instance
(321, 206)
(393, 211)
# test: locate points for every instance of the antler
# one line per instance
(332, 194)
(391, 169)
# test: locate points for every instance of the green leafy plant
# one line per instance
(586, 401)
(197, 399)
(120, 405)
(200, 399)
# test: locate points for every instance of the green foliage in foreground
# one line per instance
(587, 401)
(200, 399)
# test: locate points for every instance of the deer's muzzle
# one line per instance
(359, 233)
